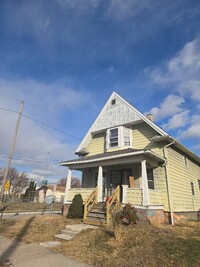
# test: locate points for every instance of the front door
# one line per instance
(119, 177)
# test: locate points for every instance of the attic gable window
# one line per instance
(118, 137)
(113, 102)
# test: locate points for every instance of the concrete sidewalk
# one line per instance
(32, 255)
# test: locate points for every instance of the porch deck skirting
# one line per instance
(134, 196)
(85, 192)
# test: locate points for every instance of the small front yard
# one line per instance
(139, 246)
(30, 206)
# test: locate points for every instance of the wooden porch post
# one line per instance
(145, 188)
(68, 184)
(100, 184)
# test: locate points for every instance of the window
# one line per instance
(192, 188)
(113, 102)
(114, 137)
(118, 137)
(150, 179)
(185, 160)
(199, 184)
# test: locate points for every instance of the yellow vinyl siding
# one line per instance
(85, 193)
(155, 197)
(134, 196)
(161, 185)
(96, 146)
(181, 177)
(141, 135)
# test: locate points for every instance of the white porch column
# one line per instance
(145, 189)
(100, 184)
(124, 193)
(68, 184)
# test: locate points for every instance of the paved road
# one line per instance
(32, 255)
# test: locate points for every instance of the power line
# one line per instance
(32, 159)
(47, 125)
(53, 135)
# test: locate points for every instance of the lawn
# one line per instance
(30, 206)
(139, 245)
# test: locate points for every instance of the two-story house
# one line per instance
(125, 157)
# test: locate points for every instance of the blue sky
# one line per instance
(64, 58)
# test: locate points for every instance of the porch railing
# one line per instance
(85, 193)
(89, 203)
(112, 204)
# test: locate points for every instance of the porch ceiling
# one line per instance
(115, 157)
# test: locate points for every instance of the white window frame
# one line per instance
(185, 161)
(121, 137)
(192, 188)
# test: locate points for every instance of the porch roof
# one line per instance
(118, 154)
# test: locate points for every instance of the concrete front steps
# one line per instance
(97, 215)
(72, 230)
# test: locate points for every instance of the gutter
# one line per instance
(168, 182)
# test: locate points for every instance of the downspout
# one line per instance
(168, 182)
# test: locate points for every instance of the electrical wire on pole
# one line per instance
(10, 157)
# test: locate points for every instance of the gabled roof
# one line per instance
(117, 111)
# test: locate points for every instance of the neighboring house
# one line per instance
(126, 153)
(46, 190)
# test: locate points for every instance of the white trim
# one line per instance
(150, 207)
(68, 184)
(145, 189)
(124, 193)
(100, 184)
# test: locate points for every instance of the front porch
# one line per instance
(133, 175)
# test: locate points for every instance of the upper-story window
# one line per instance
(185, 160)
(114, 137)
(118, 137)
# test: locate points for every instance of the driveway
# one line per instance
(32, 255)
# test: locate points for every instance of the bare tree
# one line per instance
(76, 183)
(18, 181)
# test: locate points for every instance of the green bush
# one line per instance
(76, 208)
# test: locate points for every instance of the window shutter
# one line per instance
(126, 136)
(107, 139)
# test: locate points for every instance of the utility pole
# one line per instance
(10, 156)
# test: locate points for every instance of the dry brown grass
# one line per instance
(34, 229)
(140, 245)
(30, 206)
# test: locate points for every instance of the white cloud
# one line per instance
(192, 132)
(181, 72)
(171, 105)
(178, 120)
(48, 103)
